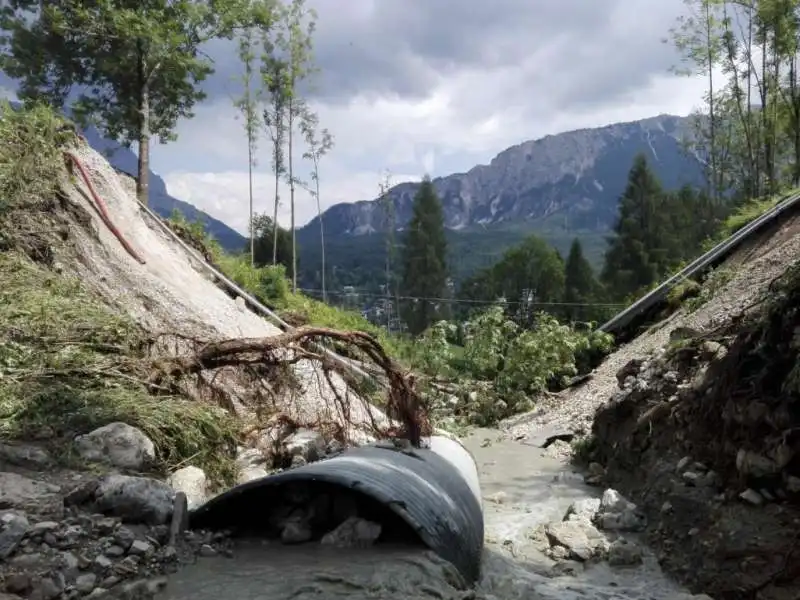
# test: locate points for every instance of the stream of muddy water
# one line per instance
(522, 488)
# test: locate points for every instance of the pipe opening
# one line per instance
(310, 511)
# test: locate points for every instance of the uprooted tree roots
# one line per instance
(403, 404)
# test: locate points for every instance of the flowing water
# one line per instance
(522, 488)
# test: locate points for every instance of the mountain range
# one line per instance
(124, 159)
(559, 187)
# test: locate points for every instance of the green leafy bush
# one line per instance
(503, 366)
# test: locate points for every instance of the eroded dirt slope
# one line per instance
(171, 294)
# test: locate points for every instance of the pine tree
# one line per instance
(424, 257)
(580, 286)
(637, 256)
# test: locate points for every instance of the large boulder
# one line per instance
(118, 444)
(133, 499)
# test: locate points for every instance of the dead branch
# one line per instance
(403, 404)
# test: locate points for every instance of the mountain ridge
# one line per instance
(125, 160)
(579, 173)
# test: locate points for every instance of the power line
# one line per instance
(461, 300)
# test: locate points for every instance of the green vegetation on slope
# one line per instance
(68, 363)
(270, 285)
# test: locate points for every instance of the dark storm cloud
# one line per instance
(403, 47)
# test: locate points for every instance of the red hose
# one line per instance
(101, 206)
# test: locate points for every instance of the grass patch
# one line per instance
(68, 363)
(744, 214)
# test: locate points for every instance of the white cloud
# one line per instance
(439, 134)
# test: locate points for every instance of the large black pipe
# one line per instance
(424, 489)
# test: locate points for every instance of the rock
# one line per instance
(44, 527)
(250, 474)
(585, 508)
(617, 514)
(86, 583)
(612, 501)
(306, 443)
(119, 444)
(295, 532)
(497, 498)
(750, 464)
(191, 481)
(124, 538)
(14, 528)
(206, 550)
(623, 553)
(752, 497)
(31, 496)
(134, 499)
(353, 533)
(792, 484)
(687, 596)
(632, 368)
(572, 536)
(49, 588)
(103, 562)
(140, 548)
(252, 464)
(25, 455)
(298, 461)
(694, 479)
(18, 583)
(683, 464)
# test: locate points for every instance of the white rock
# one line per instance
(613, 501)
(135, 499)
(119, 444)
(14, 529)
(585, 508)
(353, 532)
(306, 443)
(191, 481)
(570, 535)
(250, 473)
(752, 497)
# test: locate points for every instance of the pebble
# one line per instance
(752, 497)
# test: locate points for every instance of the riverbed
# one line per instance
(522, 486)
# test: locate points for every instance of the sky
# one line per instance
(409, 87)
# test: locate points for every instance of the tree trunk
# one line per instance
(711, 112)
(275, 215)
(321, 232)
(250, 182)
(290, 133)
(143, 168)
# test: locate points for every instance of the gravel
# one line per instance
(755, 268)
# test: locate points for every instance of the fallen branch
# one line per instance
(403, 402)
